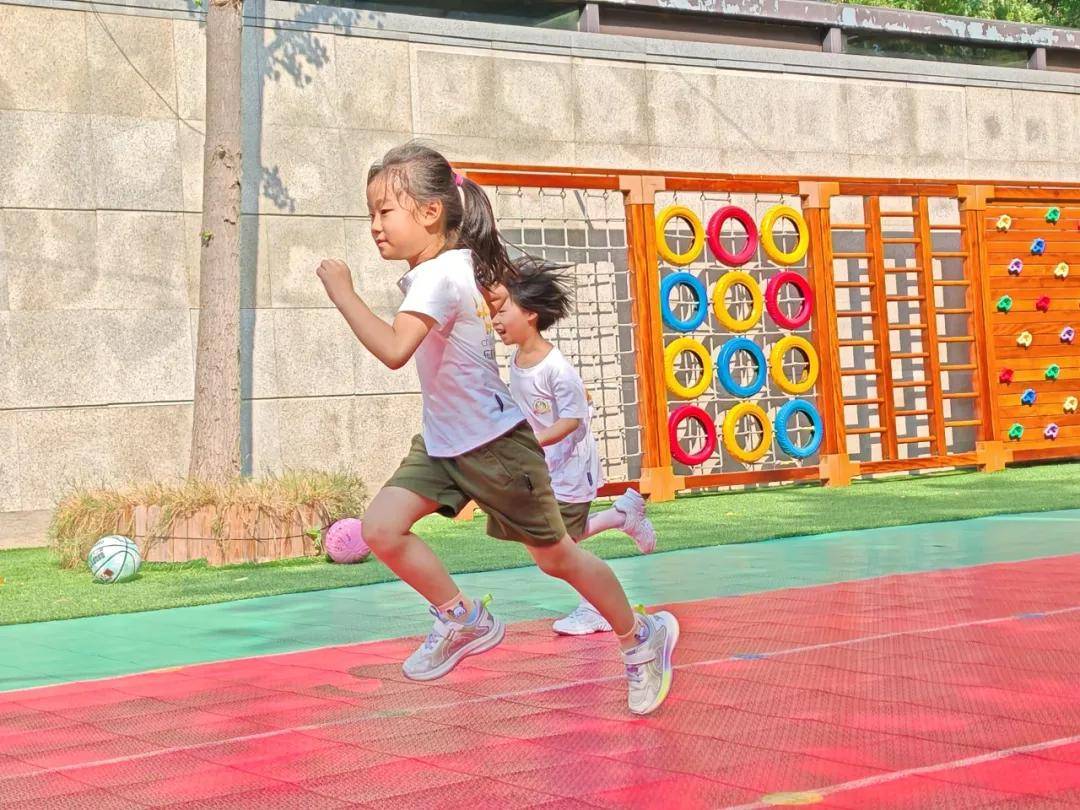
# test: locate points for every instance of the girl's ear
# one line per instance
(429, 213)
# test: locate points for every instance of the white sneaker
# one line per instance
(648, 665)
(450, 641)
(636, 525)
(584, 620)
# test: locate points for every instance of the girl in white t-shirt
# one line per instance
(475, 443)
(550, 392)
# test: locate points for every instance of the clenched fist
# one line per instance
(336, 278)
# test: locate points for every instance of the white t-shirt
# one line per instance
(466, 403)
(547, 392)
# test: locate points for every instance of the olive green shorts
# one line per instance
(575, 516)
(507, 477)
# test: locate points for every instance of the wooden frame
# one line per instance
(639, 187)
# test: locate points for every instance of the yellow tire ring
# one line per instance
(768, 239)
(776, 364)
(662, 246)
(719, 300)
(671, 354)
(731, 442)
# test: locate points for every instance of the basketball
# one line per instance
(114, 559)
(345, 542)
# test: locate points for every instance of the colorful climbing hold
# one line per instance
(1053, 371)
(1053, 214)
(1005, 376)
(1016, 432)
(1028, 397)
(1043, 304)
(1070, 405)
(1004, 222)
(1038, 247)
(1068, 334)
(1015, 266)
(1024, 339)
(1004, 303)
(1062, 270)
(1051, 431)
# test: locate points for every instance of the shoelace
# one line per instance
(634, 674)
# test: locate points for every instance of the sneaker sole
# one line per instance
(666, 678)
(482, 644)
(581, 632)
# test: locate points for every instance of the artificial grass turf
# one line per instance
(35, 588)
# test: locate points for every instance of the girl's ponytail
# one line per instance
(479, 233)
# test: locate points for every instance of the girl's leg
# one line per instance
(591, 577)
(627, 514)
(647, 641)
(461, 626)
(388, 526)
(603, 521)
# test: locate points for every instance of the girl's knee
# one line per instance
(383, 533)
(556, 561)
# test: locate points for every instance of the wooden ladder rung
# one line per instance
(964, 423)
(949, 254)
(960, 395)
(905, 327)
(895, 214)
(951, 282)
(860, 372)
(849, 285)
(921, 412)
(906, 240)
(848, 226)
(946, 227)
(916, 440)
(864, 430)
(864, 401)
(904, 298)
(848, 255)
(911, 384)
(955, 311)
(845, 343)
(957, 339)
(856, 313)
(960, 367)
(908, 355)
(899, 270)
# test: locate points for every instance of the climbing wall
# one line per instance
(1032, 262)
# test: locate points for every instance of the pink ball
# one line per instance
(345, 542)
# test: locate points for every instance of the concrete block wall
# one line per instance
(100, 193)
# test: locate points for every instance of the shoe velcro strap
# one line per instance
(642, 654)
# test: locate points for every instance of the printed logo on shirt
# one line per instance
(541, 407)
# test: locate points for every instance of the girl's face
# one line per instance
(514, 324)
(402, 228)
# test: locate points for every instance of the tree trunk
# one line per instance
(215, 444)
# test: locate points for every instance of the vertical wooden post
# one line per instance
(991, 451)
(835, 467)
(882, 334)
(925, 259)
(658, 480)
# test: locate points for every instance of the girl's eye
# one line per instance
(384, 211)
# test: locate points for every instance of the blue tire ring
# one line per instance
(723, 367)
(783, 416)
(687, 280)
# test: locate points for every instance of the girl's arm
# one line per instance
(393, 344)
(557, 432)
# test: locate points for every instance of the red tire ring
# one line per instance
(678, 416)
(772, 299)
(716, 222)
